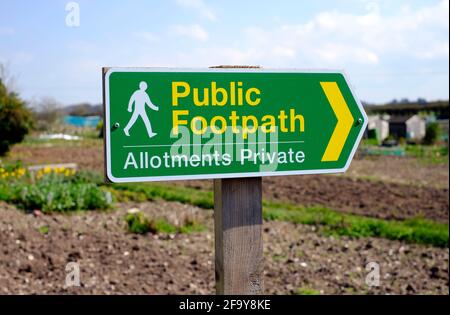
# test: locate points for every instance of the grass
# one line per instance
(415, 230)
(331, 222)
(428, 154)
(43, 229)
(161, 225)
(138, 223)
(369, 142)
(306, 291)
(191, 226)
(278, 257)
(141, 192)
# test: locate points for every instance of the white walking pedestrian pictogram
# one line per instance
(140, 98)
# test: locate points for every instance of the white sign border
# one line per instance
(227, 175)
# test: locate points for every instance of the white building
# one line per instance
(408, 127)
(380, 124)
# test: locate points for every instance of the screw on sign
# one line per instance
(233, 125)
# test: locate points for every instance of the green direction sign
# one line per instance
(170, 124)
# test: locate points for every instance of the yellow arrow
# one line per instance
(344, 121)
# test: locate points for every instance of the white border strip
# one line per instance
(201, 144)
(227, 175)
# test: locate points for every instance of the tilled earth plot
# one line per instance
(370, 198)
(298, 259)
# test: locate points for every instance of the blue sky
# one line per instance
(389, 49)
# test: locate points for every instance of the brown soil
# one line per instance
(87, 157)
(403, 170)
(113, 261)
(377, 199)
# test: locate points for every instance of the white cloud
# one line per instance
(192, 31)
(200, 6)
(284, 51)
(333, 39)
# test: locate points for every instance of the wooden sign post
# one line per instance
(238, 234)
(160, 124)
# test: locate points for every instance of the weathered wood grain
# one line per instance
(238, 235)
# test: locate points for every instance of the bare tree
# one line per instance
(48, 113)
(6, 77)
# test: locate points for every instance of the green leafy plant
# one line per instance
(15, 119)
(306, 291)
(99, 129)
(43, 229)
(432, 133)
(429, 154)
(161, 225)
(54, 192)
(191, 225)
(138, 223)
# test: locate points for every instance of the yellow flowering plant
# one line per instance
(52, 189)
(15, 172)
(66, 172)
